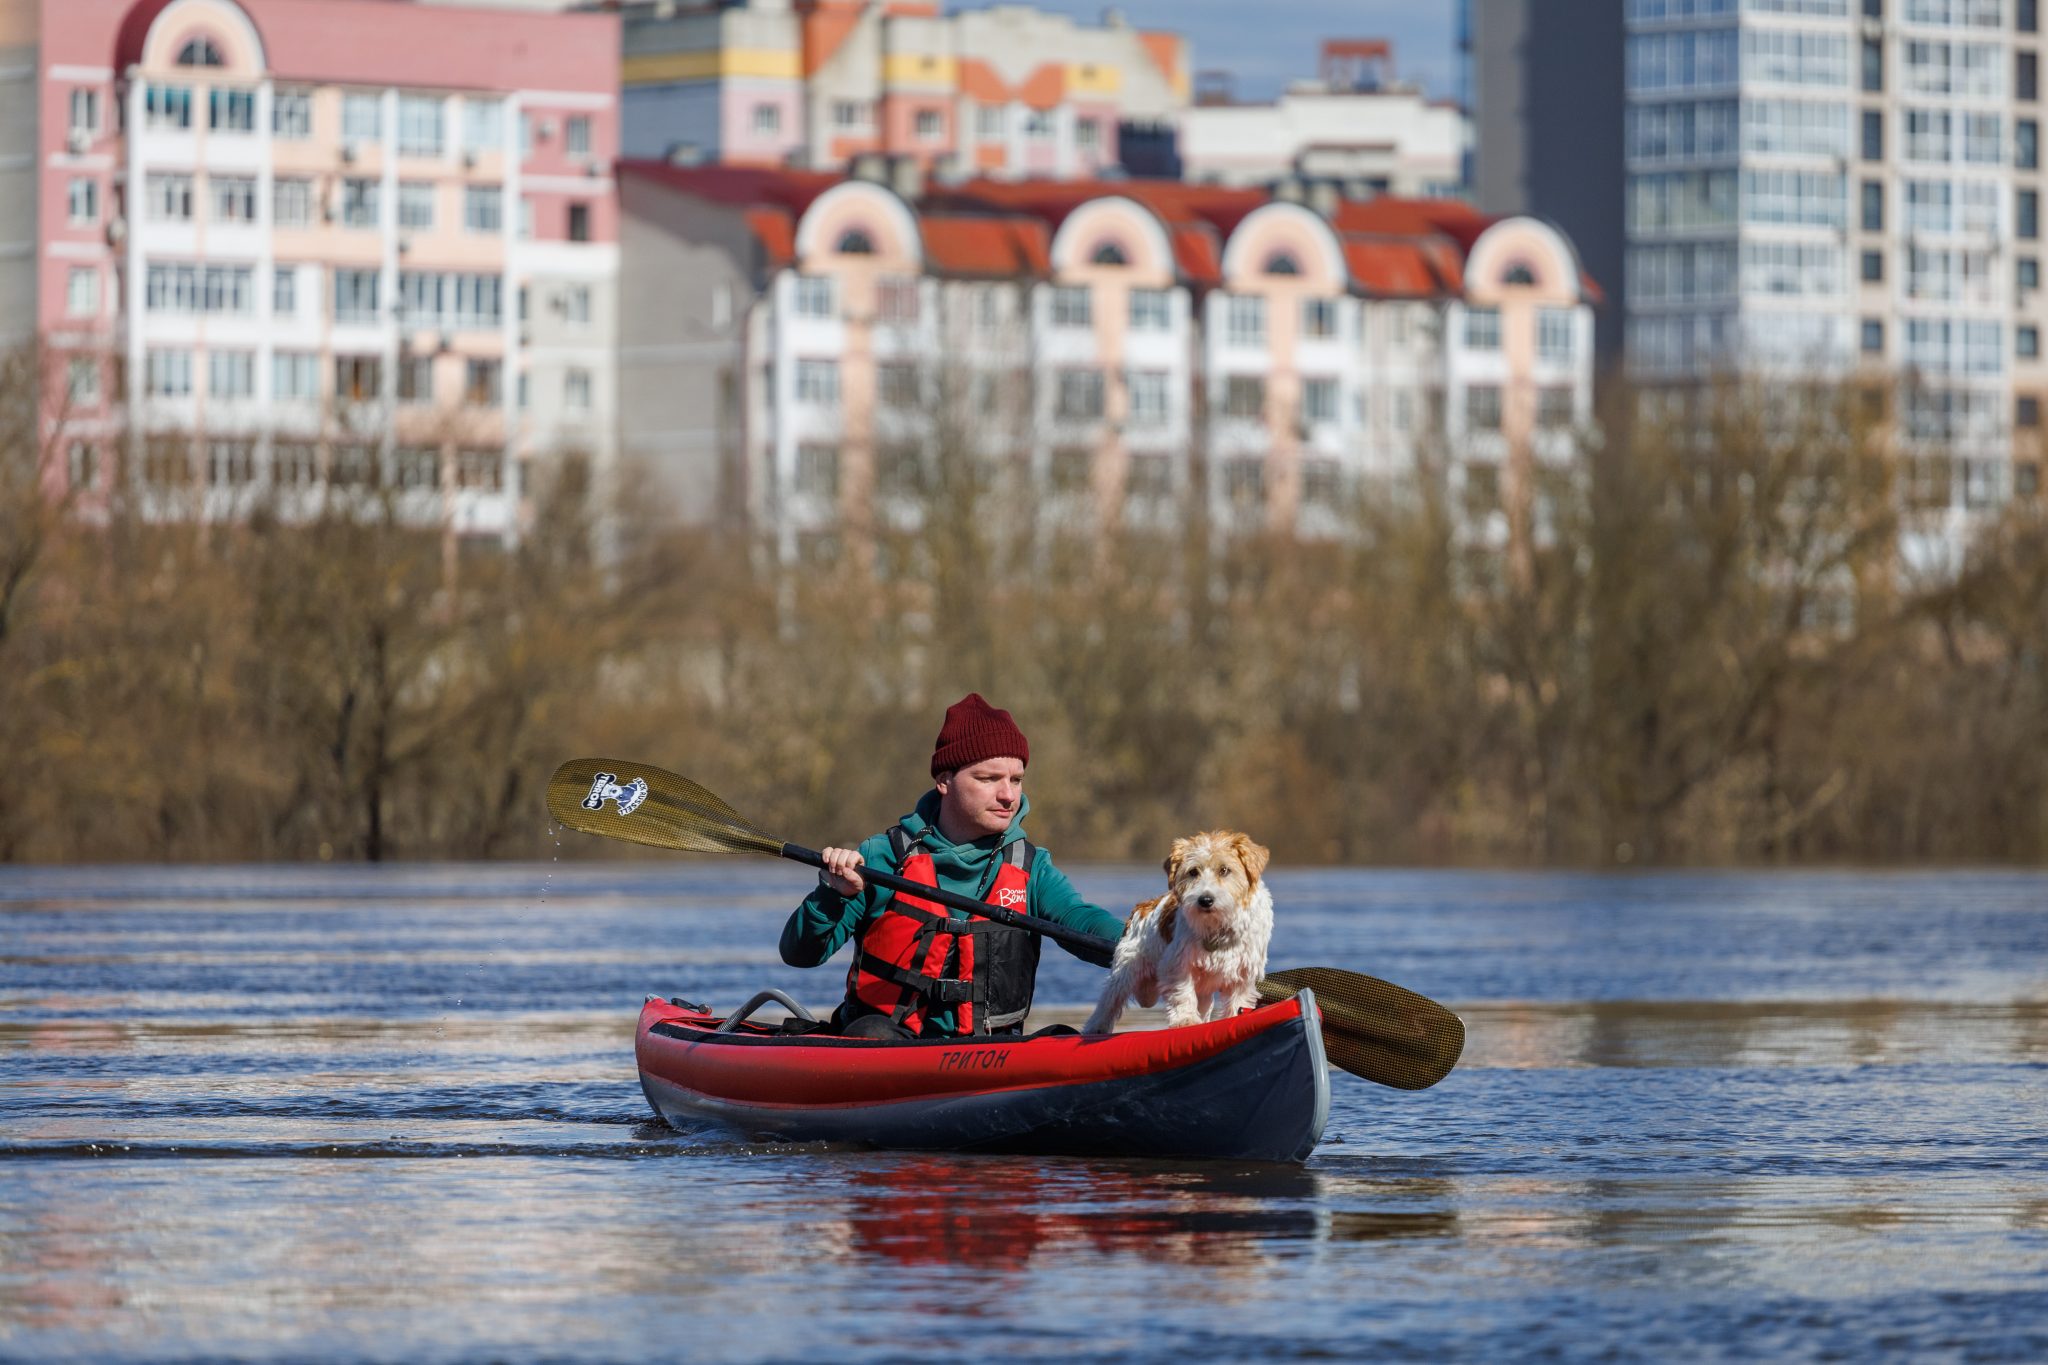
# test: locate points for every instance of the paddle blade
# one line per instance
(1375, 1029)
(648, 805)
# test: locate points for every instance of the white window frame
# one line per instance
(1151, 310)
(85, 111)
(422, 126)
(291, 114)
(82, 292)
(814, 296)
(576, 389)
(291, 202)
(416, 205)
(1244, 320)
(83, 202)
(295, 376)
(483, 209)
(1071, 306)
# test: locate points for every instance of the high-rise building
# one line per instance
(1003, 91)
(1355, 123)
(289, 245)
(796, 346)
(1849, 187)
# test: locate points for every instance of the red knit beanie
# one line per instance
(975, 731)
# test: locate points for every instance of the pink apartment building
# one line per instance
(277, 246)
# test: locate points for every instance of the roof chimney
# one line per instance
(906, 177)
(685, 154)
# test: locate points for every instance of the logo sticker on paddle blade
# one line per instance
(607, 787)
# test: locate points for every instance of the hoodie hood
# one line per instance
(970, 862)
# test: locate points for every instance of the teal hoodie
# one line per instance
(826, 919)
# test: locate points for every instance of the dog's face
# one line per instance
(1212, 877)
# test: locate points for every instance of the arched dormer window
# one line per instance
(855, 242)
(1519, 273)
(200, 52)
(1109, 253)
(1282, 263)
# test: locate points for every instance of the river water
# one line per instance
(392, 1114)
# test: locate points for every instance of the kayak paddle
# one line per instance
(1371, 1028)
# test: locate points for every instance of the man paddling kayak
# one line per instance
(919, 969)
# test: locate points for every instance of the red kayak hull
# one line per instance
(1255, 1087)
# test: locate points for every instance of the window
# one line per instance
(896, 385)
(359, 203)
(85, 111)
(167, 107)
(1482, 329)
(1873, 206)
(817, 470)
(358, 378)
(2027, 412)
(483, 208)
(2026, 144)
(813, 297)
(2027, 272)
(483, 469)
(576, 389)
(82, 292)
(483, 125)
(419, 125)
(234, 198)
(1109, 253)
(231, 111)
(896, 300)
(230, 463)
(1244, 320)
(854, 242)
(416, 379)
(1873, 135)
(294, 377)
(84, 202)
(1873, 336)
(576, 129)
(1079, 396)
(167, 198)
(930, 125)
(84, 460)
(1873, 64)
(417, 466)
(451, 301)
(1038, 125)
(284, 291)
(1554, 334)
(1319, 400)
(1151, 310)
(231, 374)
(483, 383)
(362, 117)
(1554, 407)
(1244, 395)
(1147, 393)
(579, 222)
(575, 305)
(1244, 482)
(2027, 16)
(191, 288)
(1322, 483)
(82, 381)
(767, 120)
(199, 52)
(355, 295)
(525, 219)
(850, 114)
(1873, 267)
(1070, 306)
(292, 204)
(2027, 211)
(291, 114)
(988, 123)
(415, 204)
(2027, 77)
(1482, 407)
(1148, 476)
(817, 382)
(2026, 342)
(1282, 263)
(167, 374)
(1319, 317)
(1068, 468)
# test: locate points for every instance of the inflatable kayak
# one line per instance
(1254, 1087)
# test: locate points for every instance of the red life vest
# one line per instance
(913, 958)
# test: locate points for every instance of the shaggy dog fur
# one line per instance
(1202, 946)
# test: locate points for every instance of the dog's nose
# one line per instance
(1206, 901)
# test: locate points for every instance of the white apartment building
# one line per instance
(1849, 187)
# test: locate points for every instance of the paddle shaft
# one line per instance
(1092, 947)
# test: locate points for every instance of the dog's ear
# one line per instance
(1253, 856)
(1175, 856)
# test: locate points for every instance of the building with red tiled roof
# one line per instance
(792, 341)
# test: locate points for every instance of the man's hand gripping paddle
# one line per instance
(1371, 1028)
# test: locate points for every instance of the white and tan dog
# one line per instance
(1202, 946)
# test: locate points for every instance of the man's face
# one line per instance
(982, 797)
